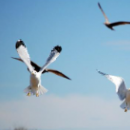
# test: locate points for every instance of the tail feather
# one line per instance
(28, 89)
(41, 90)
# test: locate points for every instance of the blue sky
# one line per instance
(77, 26)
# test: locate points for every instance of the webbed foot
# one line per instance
(37, 94)
(125, 110)
(29, 94)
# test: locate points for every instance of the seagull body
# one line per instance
(121, 90)
(111, 25)
(35, 86)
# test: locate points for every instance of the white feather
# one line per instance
(24, 55)
(53, 55)
(120, 86)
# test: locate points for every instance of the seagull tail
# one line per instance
(41, 90)
(28, 90)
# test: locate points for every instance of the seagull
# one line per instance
(121, 90)
(35, 86)
(111, 25)
(37, 68)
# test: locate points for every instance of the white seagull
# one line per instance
(121, 90)
(35, 86)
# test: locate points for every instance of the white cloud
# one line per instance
(123, 45)
(52, 112)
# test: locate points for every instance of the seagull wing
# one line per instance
(119, 23)
(23, 53)
(35, 66)
(119, 83)
(17, 59)
(106, 19)
(57, 73)
(53, 55)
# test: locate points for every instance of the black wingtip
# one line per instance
(101, 72)
(58, 48)
(13, 58)
(69, 79)
(19, 43)
(17, 59)
(99, 4)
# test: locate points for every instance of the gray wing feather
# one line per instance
(23, 53)
(119, 83)
(121, 91)
(53, 55)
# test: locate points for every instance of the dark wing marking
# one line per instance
(119, 23)
(19, 43)
(57, 73)
(35, 66)
(101, 73)
(17, 59)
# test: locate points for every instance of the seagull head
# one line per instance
(33, 72)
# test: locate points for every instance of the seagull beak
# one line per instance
(33, 73)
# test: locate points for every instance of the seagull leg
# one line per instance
(37, 94)
(29, 94)
(125, 110)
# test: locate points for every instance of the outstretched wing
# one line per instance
(119, 23)
(57, 73)
(37, 68)
(106, 19)
(119, 83)
(53, 55)
(23, 53)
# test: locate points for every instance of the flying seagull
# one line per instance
(35, 86)
(111, 25)
(121, 90)
(37, 68)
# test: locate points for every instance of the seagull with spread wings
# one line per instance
(121, 90)
(35, 86)
(111, 25)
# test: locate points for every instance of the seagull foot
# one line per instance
(37, 95)
(29, 94)
(125, 110)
